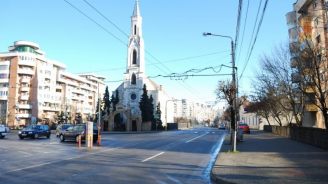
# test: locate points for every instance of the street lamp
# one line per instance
(233, 112)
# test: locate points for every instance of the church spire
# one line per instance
(136, 11)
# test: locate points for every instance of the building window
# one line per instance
(133, 96)
(316, 22)
(133, 79)
(135, 29)
(134, 57)
(318, 39)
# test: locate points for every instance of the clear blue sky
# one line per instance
(172, 32)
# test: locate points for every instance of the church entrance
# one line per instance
(105, 126)
(134, 125)
(118, 123)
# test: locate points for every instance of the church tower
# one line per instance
(135, 68)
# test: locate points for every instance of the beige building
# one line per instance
(35, 89)
(308, 25)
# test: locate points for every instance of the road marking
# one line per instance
(174, 180)
(57, 161)
(153, 157)
(25, 153)
(196, 137)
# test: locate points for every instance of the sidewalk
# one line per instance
(268, 158)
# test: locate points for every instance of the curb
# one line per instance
(218, 180)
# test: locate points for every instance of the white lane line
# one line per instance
(196, 137)
(153, 157)
(57, 161)
(174, 180)
(25, 153)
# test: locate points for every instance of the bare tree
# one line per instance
(226, 91)
(312, 68)
(275, 88)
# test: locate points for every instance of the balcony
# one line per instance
(75, 97)
(24, 97)
(26, 71)
(4, 80)
(23, 115)
(26, 63)
(25, 80)
(76, 91)
(311, 108)
(59, 86)
(291, 19)
(51, 109)
(310, 87)
(25, 89)
(24, 106)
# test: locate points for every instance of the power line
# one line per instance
(107, 31)
(111, 22)
(254, 27)
(215, 69)
(244, 28)
(240, 6)
(256, 36)
(99, 25)
(150, 64)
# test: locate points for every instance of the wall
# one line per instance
(313, 136)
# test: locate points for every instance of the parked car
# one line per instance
(3, 131)
(245, 127)
(35, 131)
(72, 133)
(62, 127)
(222, 126)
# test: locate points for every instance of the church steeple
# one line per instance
(136, 11)
(136, 45)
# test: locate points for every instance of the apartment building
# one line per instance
(193, 110)
(36, 89)
(307, 25)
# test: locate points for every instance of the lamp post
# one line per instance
(99, 115)
(234, 86)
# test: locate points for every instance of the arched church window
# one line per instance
(134, 57)
(134, 79)
(135, 29)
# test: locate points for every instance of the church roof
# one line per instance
(136, 11)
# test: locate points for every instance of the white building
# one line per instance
(130, 91)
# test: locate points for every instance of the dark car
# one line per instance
(35, 131)
(244, 127)
(72, 133)
(62, 127)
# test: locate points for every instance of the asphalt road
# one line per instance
(166, 157)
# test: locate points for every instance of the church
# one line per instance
(131, 89)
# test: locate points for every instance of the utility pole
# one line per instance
(99, 115)
(234, 89)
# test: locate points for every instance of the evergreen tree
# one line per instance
(106, 101)
(158, 115)
(115, 100)
(144, 105)
(150, 107)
